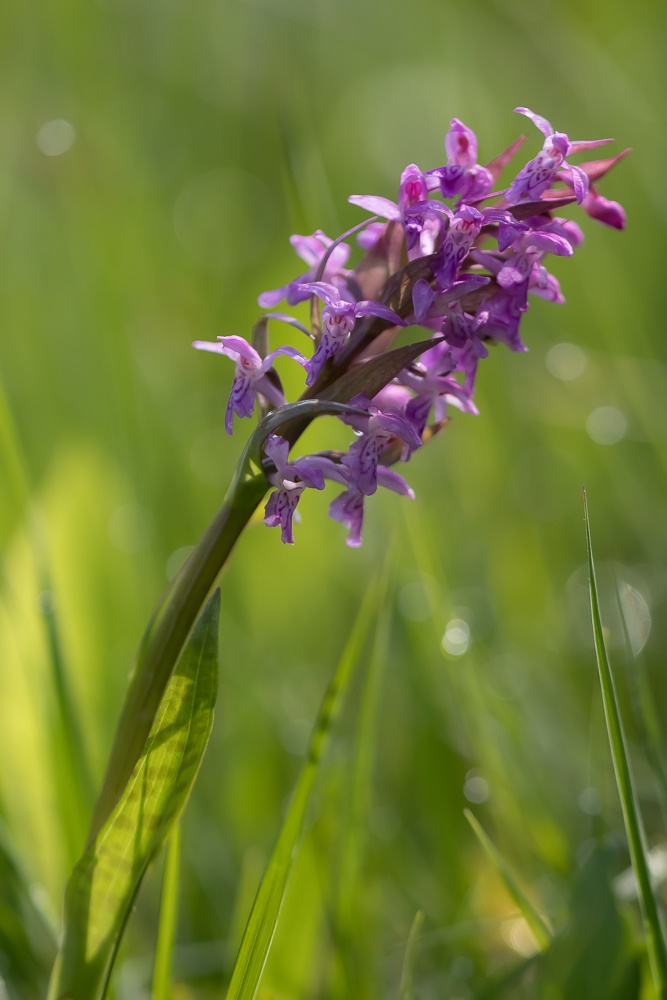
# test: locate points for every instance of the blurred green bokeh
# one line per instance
(156, 157)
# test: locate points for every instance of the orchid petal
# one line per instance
(310, 248)
(285, 318)
(215, 348)
(422, 298)
(377, 205)
(268, 299)
(242, 348)
(543, 125)
(393, 481)
(328, 293)
(290, 352)
(369, 308)
(550, 243)
(326, 466)
(311, 476)
(348, 508)
(461, 144)
(580, 183)
(270, 391)
(277, 449)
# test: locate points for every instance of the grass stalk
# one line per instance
(651, 915)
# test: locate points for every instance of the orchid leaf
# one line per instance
(525, 209)
(370, 376)
(106, 879)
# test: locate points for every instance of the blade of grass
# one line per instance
(652, 918)
(106, 879)
(27, 941)
(71, 775)
(168, 918)
(541, 930)
(351, 908)
(407, 973)
(263, 919)
(356, 829)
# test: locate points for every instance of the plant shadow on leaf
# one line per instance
(106, 879)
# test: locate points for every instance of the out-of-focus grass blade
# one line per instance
(263, 919)
(642, 700)
(106, 879)
(653, 923)
(168, 918)
(71, 776)
(356, 832)
(541, 930)
(27, 942)
(595, 955)
(407, 974)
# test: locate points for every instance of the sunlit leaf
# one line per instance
(106, 879)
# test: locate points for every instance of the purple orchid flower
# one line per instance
(290, 480)
(529, 249)
(311, 250)
(384, 427)
(433, 392)
(250, 377)
(464, 227)
(502, 314)
(338, 319)
(463, 175)
(348, 507)
(539, 173)
(419, 217)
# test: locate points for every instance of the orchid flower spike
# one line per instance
(464, 272)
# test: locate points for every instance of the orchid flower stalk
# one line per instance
(456, 256)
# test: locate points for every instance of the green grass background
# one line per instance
(206, 133)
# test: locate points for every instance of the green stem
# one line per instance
(166, 634)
